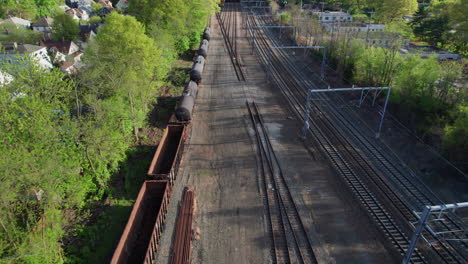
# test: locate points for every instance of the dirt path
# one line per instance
(220, 162)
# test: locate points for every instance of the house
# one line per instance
(44, 25)
(84, 3)
(5, 79)
(122, 4)
(37, 53)
(350, 27)
(79, 3)
(333, 16)
(19, 22)
(87, 34)
(60, 50)
(71, 67)
(106, 4)
(78, 13)
(68, 67)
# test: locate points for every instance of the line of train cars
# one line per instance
(141, 236)
(184, 110)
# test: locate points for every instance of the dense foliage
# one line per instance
(29, 9)
(64, 137)
(65, 27)
(174, 25)
(444, 24)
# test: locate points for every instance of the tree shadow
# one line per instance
(95, 240)
(162, 110)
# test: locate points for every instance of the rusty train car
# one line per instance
(166, 160)
(139, 241)
(141, 236)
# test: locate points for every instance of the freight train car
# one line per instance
(140, 239)
(167, 158)
(203, 50)
(197, 69)
(207, 33)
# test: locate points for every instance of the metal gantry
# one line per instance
(422, 224)
(305, 128)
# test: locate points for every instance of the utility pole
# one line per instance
(323, 4)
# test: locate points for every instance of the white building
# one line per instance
(5, 78)
(331, 16)
(19, 22)
(37, 53)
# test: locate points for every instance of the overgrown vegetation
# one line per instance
(29, 9)
(70, 145)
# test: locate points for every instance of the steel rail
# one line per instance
(398, 178)
(298, 240)
(336, 157)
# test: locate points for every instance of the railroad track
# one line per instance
(412, 194)
(227, 19)
(293, 88)
(290, 243)
(373, 206)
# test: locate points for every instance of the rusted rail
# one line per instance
(182, 244)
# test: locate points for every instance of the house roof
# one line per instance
(79, 12)
(62, 46)
(24, 48)
(44, 22)
(87, 31)
(106, 3)
(76, 54)
(66, 64)
(17, 21)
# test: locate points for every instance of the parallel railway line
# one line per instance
(370, 189)
(290, 243)
(413, 193)
(227, 19)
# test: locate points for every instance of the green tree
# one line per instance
(178, 22)
(65, 27)
(12, 33)
(124, 62)
(95, 20)
(29, 9)
(40, 163)
(391, 10)
(96, 7)
(455, 143)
